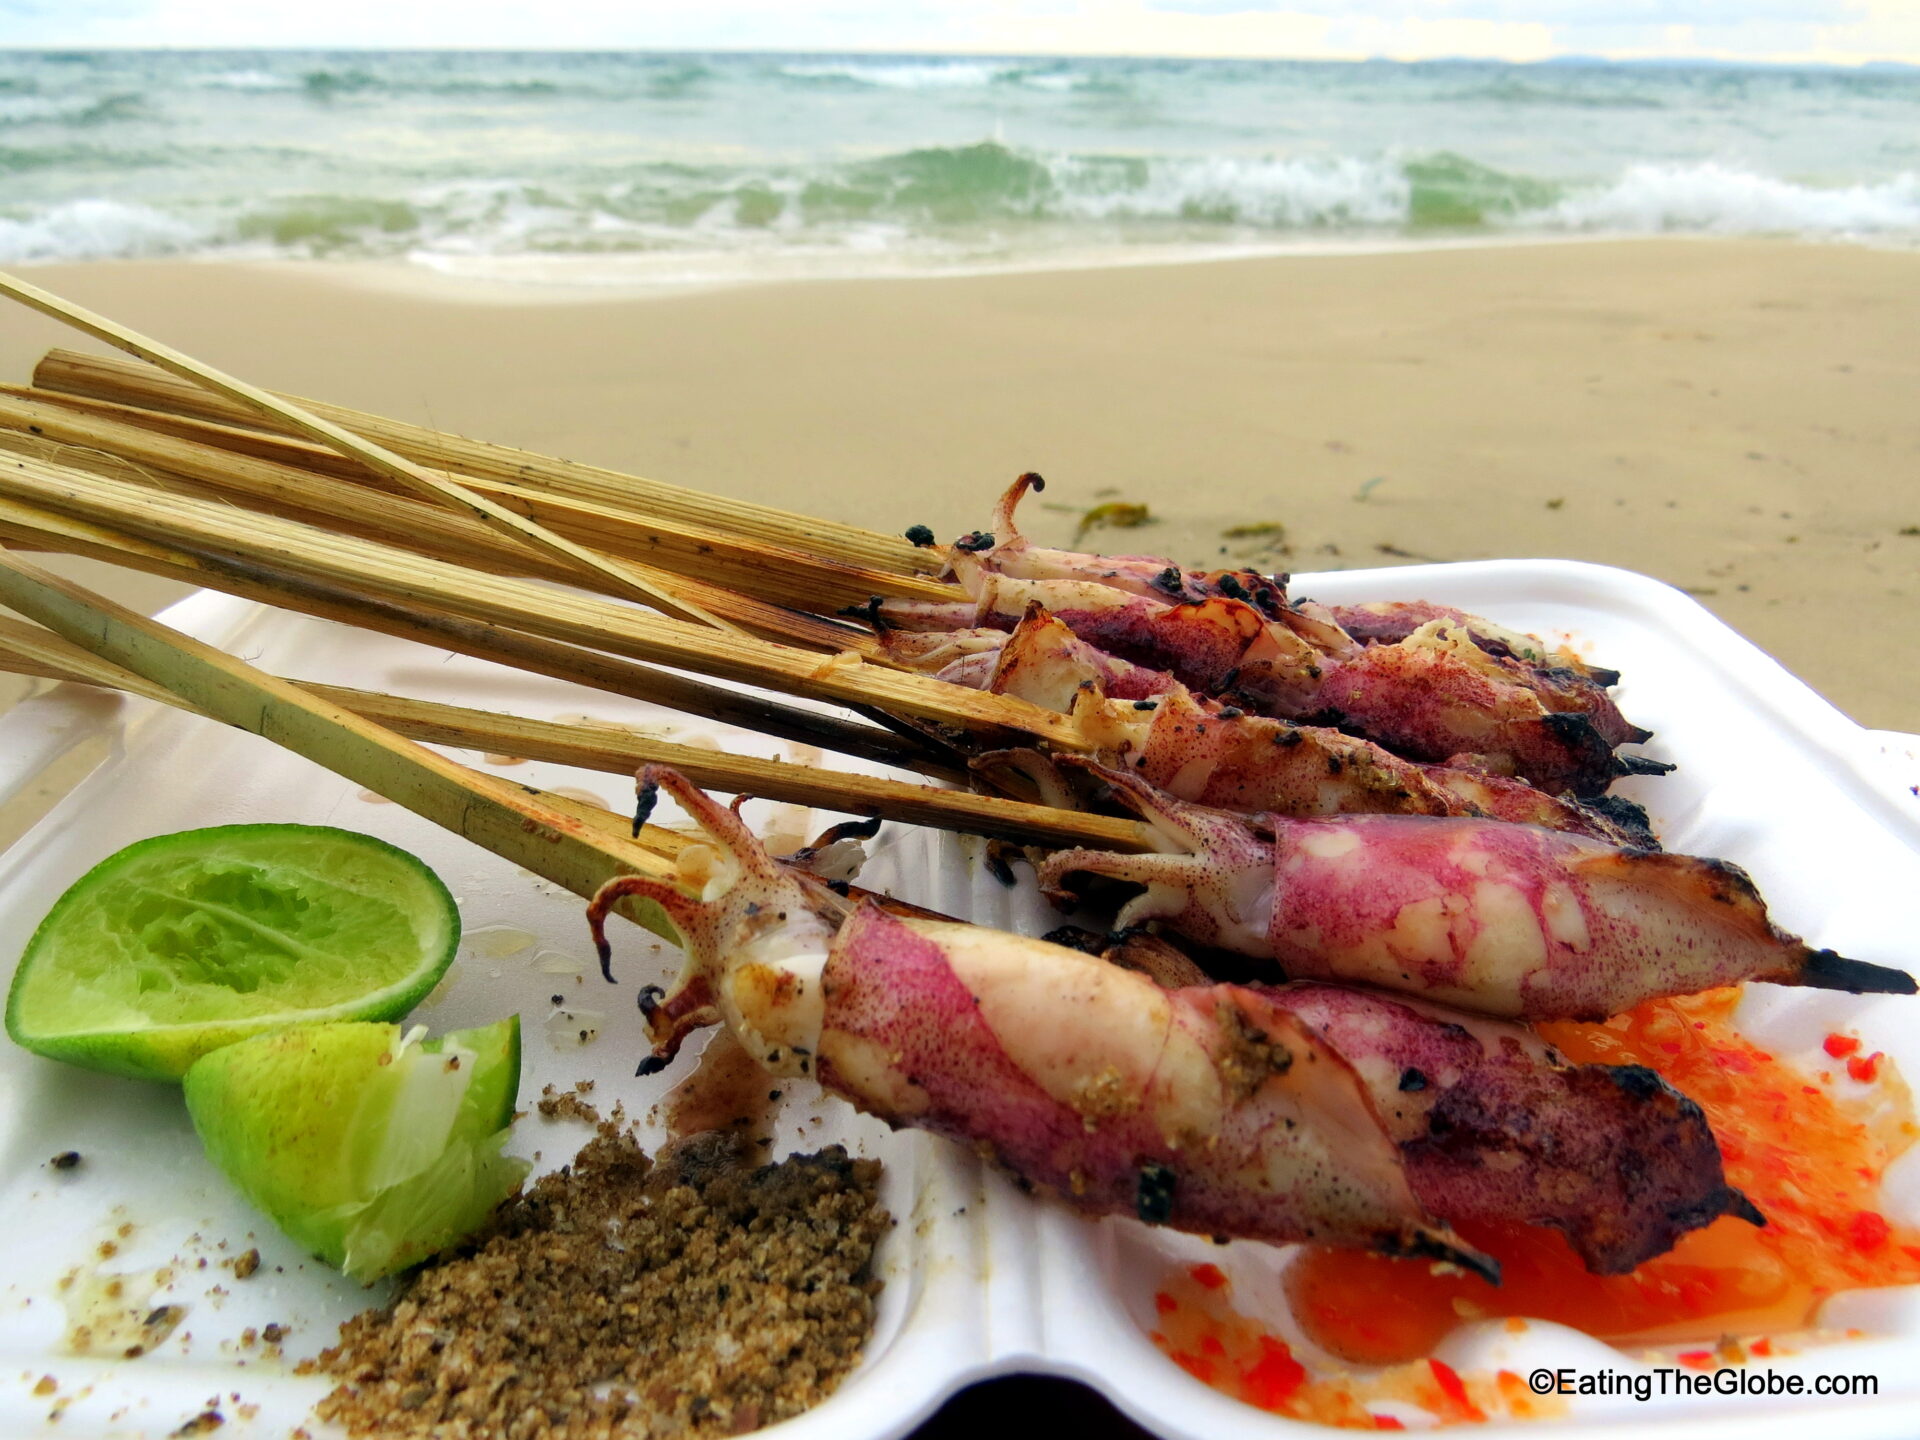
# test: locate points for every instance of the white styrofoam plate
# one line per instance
(980, 1279)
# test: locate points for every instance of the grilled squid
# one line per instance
(1505, 920)
(1453, 686)
(1302, 1112)
(1211, 1109)
(1219, 755)
(1492, 1125)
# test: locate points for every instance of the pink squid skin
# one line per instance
(1236, 635)
(1255, 765)
(1499, 919)
(1388, 622)
(1428, 705)
(1493, 1125)
(1217, 755)
(1209, 1110)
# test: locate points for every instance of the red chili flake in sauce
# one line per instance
(1211, 1276)
(1454, 1388)
(1165, 1303)
(1868, 1230)
(1275, 1375)
(1841, 1046)
(1865, 1068)
(1696, 1359)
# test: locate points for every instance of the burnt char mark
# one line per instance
(1585, 764)
(1572, 728)
(974, 542)
(1431, 1247)
(996, 861)
(1072, 937)
(1603, 677)
(920, 536)
(1630, 819)
(1611, 1156)
(1171, 581)
(1639, 1082)
(848, 830)
(1153, 1193)
(869, 612)
(1825, 970)
(644, 799)
(1642, 765)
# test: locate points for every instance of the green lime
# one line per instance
(372, 1148)
(184, 943)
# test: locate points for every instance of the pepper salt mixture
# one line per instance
(692, 1294)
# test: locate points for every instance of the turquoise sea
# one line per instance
(597, 168)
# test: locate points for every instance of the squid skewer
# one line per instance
(1218, 755)
(1211, 1110)
(1432, 695)
(1277, 1114)
(1506, 920)
(1493, 1125)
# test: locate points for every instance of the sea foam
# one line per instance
(1721, 200)
(95, 229)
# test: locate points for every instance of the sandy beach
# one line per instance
(1735, 417)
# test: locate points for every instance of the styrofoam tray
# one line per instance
(980, 1280)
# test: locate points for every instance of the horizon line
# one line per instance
(1569, 57)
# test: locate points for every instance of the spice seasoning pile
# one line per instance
(625, 1296)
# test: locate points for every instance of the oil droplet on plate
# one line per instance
(570, 1029)
(497, 942)
(555, 962)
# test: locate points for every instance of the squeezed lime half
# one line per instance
(372, 1148)
(183, 943)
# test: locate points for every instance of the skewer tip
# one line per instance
(1825, 970)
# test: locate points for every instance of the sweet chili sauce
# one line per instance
(1200, 1331)
(1812, 1163)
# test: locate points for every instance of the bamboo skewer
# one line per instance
(650, 588)
(130, 383)
(116, 452)
(220, 454)
(28, 650)
(267, 548)
(495, 815)
(29, 528)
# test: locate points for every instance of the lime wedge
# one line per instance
(184, 943)
(371, 1148)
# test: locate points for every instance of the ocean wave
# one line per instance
(96, 230)
(899, 75)
(1716, 199)
(1278, 194)
(30, 109)
(1509, 91)
(245, 80)
(971, 202)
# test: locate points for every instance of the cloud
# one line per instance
(1314, 29)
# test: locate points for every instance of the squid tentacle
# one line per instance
(1507, 920)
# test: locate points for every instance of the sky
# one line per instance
(1779, 31)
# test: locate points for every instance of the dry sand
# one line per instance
(1738, 418)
